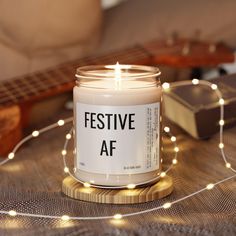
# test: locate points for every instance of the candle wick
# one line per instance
(117, 76)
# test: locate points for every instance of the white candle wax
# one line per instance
(117, 131)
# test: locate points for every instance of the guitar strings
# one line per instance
(13, 92)
(17, 94)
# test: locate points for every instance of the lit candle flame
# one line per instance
(117, 71)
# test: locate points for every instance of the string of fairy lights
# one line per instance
(118, 216)
(129, 186)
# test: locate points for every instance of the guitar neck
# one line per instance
(60, 79)
(180, 53)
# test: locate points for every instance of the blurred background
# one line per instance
(35, 35)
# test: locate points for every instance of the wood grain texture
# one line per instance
(76, 190)
(10, 128)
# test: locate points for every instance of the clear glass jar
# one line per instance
(117, 114)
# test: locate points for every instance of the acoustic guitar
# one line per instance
(18, 94)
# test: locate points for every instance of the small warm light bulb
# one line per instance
(65, 217)
(61, 122)
(210, 186)
(228, 165)
(221, 122)
(173, 138)
(68, 136)
(222, 101)
(176, 149)
(214, 86)
(35, 133)
(63, 152)
(163, 174)
(167, 129)
(66, 169)
(117, 216)
(174, 161)
(131, 186)
(195, 81)
(221, 145)
(12, 213)
(87, 185)
(165, 86)
(11, 155)
(166, 205)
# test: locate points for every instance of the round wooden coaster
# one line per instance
(76, 190)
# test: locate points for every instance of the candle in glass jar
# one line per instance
(117, 124)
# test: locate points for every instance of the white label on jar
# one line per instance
(117, 139)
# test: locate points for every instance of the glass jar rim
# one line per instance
(131, 72)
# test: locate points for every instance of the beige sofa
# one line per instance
(37, 35)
